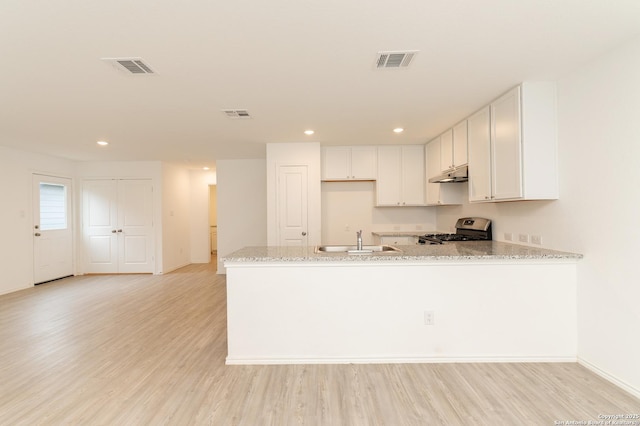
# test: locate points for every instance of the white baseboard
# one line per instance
(14, 289)
(613, 379)
(399, 360)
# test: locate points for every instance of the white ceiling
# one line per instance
(293, 64)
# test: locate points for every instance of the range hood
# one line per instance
(459, 174)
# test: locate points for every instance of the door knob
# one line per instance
(37, 234)
(113, 231)
(304, 234)
(119, 230)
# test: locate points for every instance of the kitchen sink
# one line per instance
(354, 249)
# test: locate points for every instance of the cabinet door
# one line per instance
(460, 144)
(446, 151)
(433, 158)
(363, 162)
(506, 147)
(433, 169)
(336, 163)
(479, 138)
(389, 182)
(413, 177)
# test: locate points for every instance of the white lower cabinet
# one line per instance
(513, 146)
(401, 176)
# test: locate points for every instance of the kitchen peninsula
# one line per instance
(471, 302)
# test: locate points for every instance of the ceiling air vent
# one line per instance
(385, 60)
(131, 66)
(236, 113)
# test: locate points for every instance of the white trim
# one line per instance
(611, 378)
(391, 360)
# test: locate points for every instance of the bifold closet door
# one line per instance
(118, 226)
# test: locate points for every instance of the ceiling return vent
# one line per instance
(131, 66)
(386, 60)
(236, 113)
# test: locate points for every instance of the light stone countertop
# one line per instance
(467, 251)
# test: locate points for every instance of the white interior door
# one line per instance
(100, 226)
(292, 206)
(118, 226)
(135, 226)
(53, 228)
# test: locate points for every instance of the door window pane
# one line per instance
(53, 206)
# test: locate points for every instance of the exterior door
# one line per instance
(118, 226)
(52, 228)
(292, 206)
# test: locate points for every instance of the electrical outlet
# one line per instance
(347, 228)
(523, 238)
(536, 239)
(508, 236)
(428, 317)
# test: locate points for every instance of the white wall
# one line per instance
(199, 222)
(213, 205)
(176, 214)
(598, 210)
(242, 205)
(16, 214)
(308, 154)
(352, 205)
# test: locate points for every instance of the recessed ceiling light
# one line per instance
(308, 132)
(102, 143)
(398, 130)
(205, 168)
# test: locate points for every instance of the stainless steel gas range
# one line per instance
(467, 229)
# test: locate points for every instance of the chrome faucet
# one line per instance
(359, 240)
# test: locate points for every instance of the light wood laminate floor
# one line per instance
(142, 349)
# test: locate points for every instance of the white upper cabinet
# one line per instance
(506, 149)
(460, 144)
(479, 133)
(433, 158)
(349, 163)
(440, 194)
(513, 146)
(401, 176)
(446, 151)
(452, 150)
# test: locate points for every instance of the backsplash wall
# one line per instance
(350, 206)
